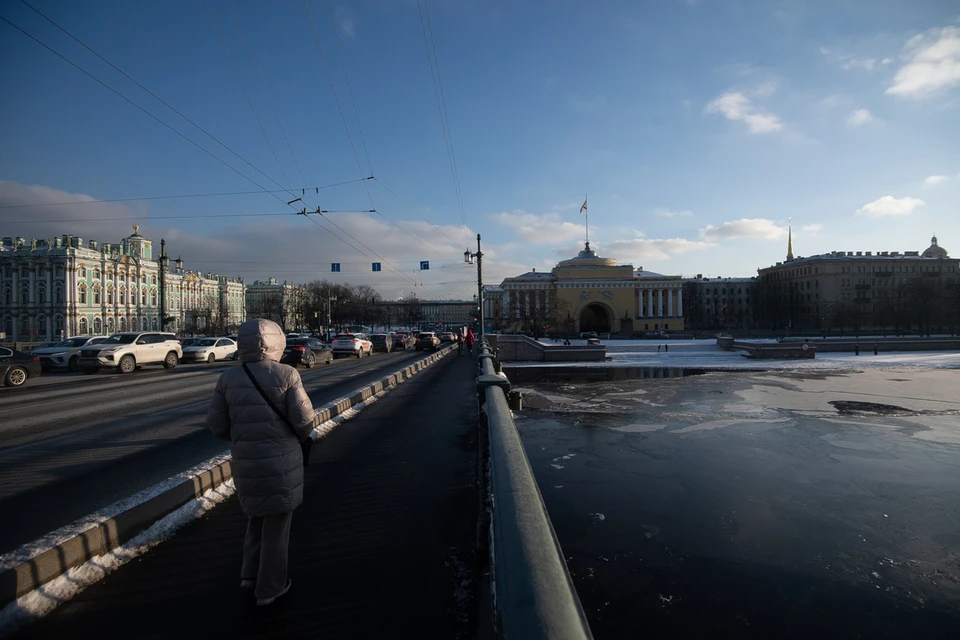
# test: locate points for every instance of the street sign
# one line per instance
(335, 267)
(376, 266)
(424, 265)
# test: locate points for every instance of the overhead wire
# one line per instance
(141, 86)
(171, 197)
(190, 216)
(434, 63)
(343, 64)
(273, 107)
(246, 95)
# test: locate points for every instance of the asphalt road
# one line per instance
(77, 443)
(756, 505)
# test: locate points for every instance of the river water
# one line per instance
(755, 504)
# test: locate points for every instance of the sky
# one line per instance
(696, 131)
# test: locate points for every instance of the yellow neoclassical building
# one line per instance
(586, 293)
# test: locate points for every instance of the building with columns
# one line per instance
(586, 293)
(64, 287)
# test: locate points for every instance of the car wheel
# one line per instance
(16, 377)
(88, 371)
(311, 361)
(74, 364)
(330, 359)
(359, 353)
(171, 360)
(211, 358)
(127, 364)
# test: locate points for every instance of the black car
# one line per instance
(306, 351)
(404, 341)
(16, 367)
(382, 342)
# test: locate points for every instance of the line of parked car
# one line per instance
(126, 351)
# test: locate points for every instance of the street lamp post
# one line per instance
(468, 258)
(164, 263)
(329, 300)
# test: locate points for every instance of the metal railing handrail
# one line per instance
(533, 592)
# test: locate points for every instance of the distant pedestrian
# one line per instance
(264, 422)
(658, 348)
(470, 340)
(666, 348)
(459, 343)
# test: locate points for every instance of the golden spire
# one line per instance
(789, 239)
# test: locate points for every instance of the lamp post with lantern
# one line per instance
(164, 263)
(468, 258)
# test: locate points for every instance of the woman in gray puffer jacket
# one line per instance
(267, 464)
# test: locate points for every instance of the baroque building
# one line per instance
(63, 287)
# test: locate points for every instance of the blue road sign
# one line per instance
(424, 265)
(335, 267)
(376, 266)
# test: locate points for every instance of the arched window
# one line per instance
(143, 323)
(25, 328)
(153, 298)
(41, 295)
(42, 326)
(96, 274)
(83, 325)
(153, 280)
(58, 271)
(155, 323)
(110, 324)
(24, 294)
(96, 294)
(7, 296)
(57, 324)
(58, 295)
(143, 297)
(109, 295)
(83, 272)
(82, 294)
(98, 326)
(123, 323)
(122, 296)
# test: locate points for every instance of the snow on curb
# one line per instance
(31, 573)
(47, 597)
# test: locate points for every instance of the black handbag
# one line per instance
(305, 443)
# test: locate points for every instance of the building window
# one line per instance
(153, 298)
(96, 274)
(24, 294)
(110, 324)
(82, 294)
(123, 323)
(41, 295)
(143, 297)
(96, 295)
(83, 272)
(109, 295)
(123, 296)
(58, 295)
(98, 325)
(82, 326)
(58, 325)
(8, 297)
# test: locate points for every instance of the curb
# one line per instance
(113, 532)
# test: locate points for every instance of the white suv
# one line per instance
(351, 344)
(126, 351)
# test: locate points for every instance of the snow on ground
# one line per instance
(705, 354)
(44, 599)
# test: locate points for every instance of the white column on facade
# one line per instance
(679, 303)
(649, 302)
(659, 303)
(640, 303)
(669, 303)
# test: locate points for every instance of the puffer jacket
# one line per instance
(267, 463)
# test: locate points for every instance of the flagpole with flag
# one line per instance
(586, 214)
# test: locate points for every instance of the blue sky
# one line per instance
(696, 128)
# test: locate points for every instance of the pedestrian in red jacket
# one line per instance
(470, 340)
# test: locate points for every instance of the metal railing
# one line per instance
(533, 593)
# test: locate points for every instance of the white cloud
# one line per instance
(743, 228)
(258, 248)
(860, 117)
(932, 64)
(812, 229)
(671, 213)
(735, 106)
(932, 180)
(890, 206)
(547, 228)
(640, 249)
(849, 61)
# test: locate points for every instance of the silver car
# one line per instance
(66, 354)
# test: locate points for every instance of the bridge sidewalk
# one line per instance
(383, 545)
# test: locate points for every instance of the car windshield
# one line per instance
(206, 342)
(294, 341)
(72, 342)
(120, 338)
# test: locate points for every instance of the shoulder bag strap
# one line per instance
(266, 399)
